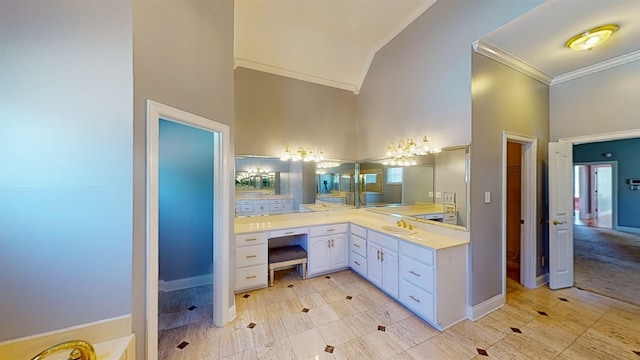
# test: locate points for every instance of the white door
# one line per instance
(560, 215)
(339, 252)
(390, 271)
(374, 265)
(319, 255)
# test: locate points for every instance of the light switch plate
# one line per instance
(438, 194)
(487, 197)
(430, 193)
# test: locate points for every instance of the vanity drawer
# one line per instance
(244, 202)
(251, 255)
(328, 229)
(251, 277)
(246, 208)
(275, 202)
(251, 239)
(358, 264)
(383, 240)
(419, 253)
(359, 245)
(275, 207)
(417, 273)
(417, 300)
(261, 209)
(359, 230)
(288, 232)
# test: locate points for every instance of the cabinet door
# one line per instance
(390, 272)
(319, 255)
(374, 265)
(339, 252)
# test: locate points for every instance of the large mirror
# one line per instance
(435, 189)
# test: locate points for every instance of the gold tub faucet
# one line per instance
(81, 350)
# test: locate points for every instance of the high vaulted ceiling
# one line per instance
(333, 42)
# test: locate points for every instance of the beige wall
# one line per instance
(419, 83)
(273, 112)
(603, 102)
(183, 57)
(503, 100)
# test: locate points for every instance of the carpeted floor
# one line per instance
(607, 262)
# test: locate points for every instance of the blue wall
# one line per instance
(186, 201)
(627, 154)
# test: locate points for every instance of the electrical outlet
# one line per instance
(487, 197)
(438, 194)
(430, 193)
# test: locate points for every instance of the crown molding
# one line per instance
(601, 66)
(610, 136)
(253, 65)
(512, 61)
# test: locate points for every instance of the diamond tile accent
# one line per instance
(246, 296)
(329, 349)
(516, 330)
(563, 299)
(381, 328)
(349, 297)
(251, 325)
(543, 313)
(305, 310)
(290, 286)
(327, 277)
(183, 345)
(636, 352)
(192, 307)
(483, 352)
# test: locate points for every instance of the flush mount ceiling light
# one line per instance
(589, 39)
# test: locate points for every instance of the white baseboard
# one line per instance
(542, 280)
(628, 229)
(95, 332)
(483, 309)
(185, 283)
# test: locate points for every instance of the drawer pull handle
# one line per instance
(252, 239)
(289, 233)
(381, 256)
(330, 230)
(356, 245)
(251, 256)
(414, 299)
(414, 273)
(251, 277)
(378, 254)
(357, 263)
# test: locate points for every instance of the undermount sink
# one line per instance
(398, 230)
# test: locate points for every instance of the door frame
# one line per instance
(223, 308)
(614, 187)
(528, 248)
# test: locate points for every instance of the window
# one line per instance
(394, 175)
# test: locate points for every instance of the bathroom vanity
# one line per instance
(424, 268)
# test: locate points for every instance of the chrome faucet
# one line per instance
(402, 223)
(82, 350)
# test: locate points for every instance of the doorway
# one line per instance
(593, 195)
(514, 209)
(223, 307)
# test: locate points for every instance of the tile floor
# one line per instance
(345, 317)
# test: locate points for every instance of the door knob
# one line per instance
(556, 222)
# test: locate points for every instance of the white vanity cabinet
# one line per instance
(382, 262)
(328, 250)
(358, 249)
(433, 283)
(251, 261)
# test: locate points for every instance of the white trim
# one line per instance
(254, 65)
(528, 249)
(616, 135)
(542, 280)
(483, 309)
(221, 219)
(94, 332)
(493, 52)
(601, 66)
(628, 229)
(185, 283)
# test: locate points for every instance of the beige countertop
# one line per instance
(432, 236)
(413, 210)
(324, 206)
(263, 197)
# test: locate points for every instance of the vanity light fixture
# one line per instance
(404, 154)
(303, 154)
(591, 38)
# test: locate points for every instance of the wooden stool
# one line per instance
(287, 256)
